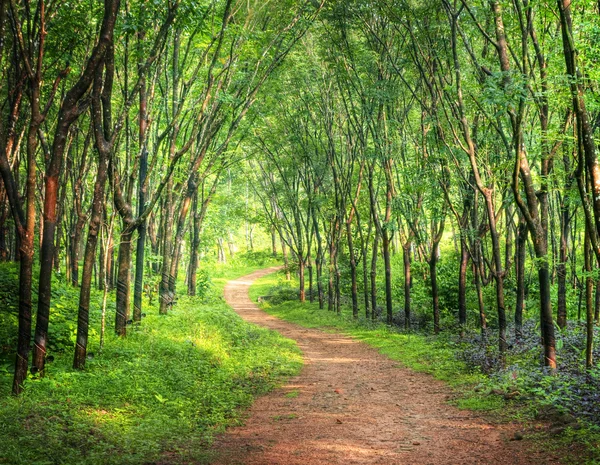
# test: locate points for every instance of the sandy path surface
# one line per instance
(351, 405)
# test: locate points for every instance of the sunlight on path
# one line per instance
(351, 405)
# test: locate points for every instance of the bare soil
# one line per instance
(352, 405)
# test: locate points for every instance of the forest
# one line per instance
(418, 175)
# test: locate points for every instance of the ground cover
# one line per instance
(165, 390)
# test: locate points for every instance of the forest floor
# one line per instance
(352, 405)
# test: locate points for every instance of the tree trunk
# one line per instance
(353, 276)
(163, 288)
(561, 268)
(123, 287)
(522, 232)
(301, 265)
(589, 308)
(286, 262)
(88, 263)
(142, 228)
(193, 267)
(434, 289)
(407, 282)
(273, 241)
(374, 254)
(385, 241)
(462, 283)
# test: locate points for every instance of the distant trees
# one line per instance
(450, 106)
(122, 118)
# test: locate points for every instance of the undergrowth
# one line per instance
(167, 388)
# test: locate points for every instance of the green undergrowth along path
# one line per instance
(440, 356)
(166, 389)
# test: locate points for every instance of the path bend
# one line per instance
(356, 406)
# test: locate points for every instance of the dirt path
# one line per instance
(351, 405)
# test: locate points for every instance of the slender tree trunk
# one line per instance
(311, 292)
(407, 282)
(286, 262)
(434, 290)
(193, 268)
(374, 254)
(142, 228)
(301, 284)
(59, 229)
(178, 240)
(273, 241)
(462, 283)
(498, 275)
(331, 280)
(522, 232)
(88, 263)
(589, 308)
(123, 287)
(163, 289)
(75, 248)
(319, 260)
(433, 260)
(561, 268)
(385, 241)
(353, 274)
(480, 302)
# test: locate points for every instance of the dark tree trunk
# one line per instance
(522, 232)
(561, 268)
(319, 260)
(311, 292)
(163, 289)
(385, 241)
(462, 282)
(68, 114)
(498, 275)
(59, 228)
(477, 279)
(286, 261)
(24, 225)
(353, 275)
(589, 308)
(434, 291)
(433, 260)
(301, 284)
(407, 282)
(101, 120)
(141, 241)
(88, 263)
(184, 208)
(195, 244)
(374, 255)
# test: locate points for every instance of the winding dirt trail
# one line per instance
(351, 405)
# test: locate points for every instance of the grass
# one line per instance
(167, 388)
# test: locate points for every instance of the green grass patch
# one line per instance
(167, 388)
